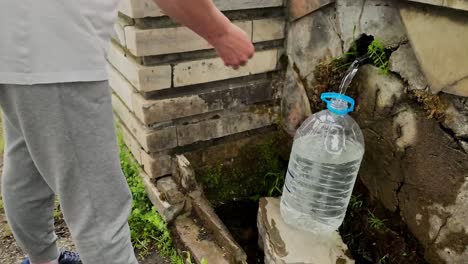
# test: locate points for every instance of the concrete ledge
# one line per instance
(199, 244)
(147, 8)
(284, 244)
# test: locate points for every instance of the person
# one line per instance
(59, 130)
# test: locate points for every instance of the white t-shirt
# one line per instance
(53, 41)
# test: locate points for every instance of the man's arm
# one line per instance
(232, 44)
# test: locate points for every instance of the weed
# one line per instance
(204, 261)
(378, 55)
(384, 260)
(355, 202)
(146, 226)
(375, 222)
(274, 182)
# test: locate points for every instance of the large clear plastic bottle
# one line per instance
(326, 155)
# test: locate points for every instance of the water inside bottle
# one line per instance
(319, 184)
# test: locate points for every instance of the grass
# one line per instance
(148, 229)
(375, 222)
(378, 55)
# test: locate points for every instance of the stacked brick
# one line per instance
(171, 92)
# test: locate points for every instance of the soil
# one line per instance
(375, 235)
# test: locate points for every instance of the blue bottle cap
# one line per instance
(339, 104)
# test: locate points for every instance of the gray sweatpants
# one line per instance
(60, 140)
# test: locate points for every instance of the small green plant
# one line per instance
(384, 260)
(274, 182)
(378, 55)
(355, 202)
(146, 226)
(204, 261)
(375, 222)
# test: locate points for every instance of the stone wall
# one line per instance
(414, 119)
(173, 95)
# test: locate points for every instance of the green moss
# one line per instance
(257, 171)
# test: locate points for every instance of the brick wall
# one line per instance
(172, 93)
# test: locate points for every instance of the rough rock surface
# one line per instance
(403, 61)
(378, 18)
(412, 164)
(438, 49)
(284, 244)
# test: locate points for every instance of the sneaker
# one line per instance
(66, 257)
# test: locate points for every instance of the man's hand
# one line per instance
(232, 44)
(234, 47)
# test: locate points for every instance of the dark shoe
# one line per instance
(66, 257)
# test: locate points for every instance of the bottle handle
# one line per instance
(327, 98)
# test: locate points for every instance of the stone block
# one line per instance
(228, 124)
(143, 78)
(378, 18)
(223, 96)
(158, 41)
(183, 173)
(168, 211)
(404, 62)
(268, 29)
(147, 8)
(210, 70)
(300, 8)
(130, 141)
(156, 165)
(440, 52)
(121, 87)
(317, 30)
(151, 140)
(169, 190)
(211, 221)
(456, 4)
(284, 244)
(193, 239)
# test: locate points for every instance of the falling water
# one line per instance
(352, 71)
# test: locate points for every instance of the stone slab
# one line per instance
(210, 70)
(159, 41)
(300, 8)
(143, 78)
(211, 221)
(456, 4)
(268, 29)
(191, 236)
(229, 124)
(284, 244)
(147, 8)
(223, 96)
(439, 38)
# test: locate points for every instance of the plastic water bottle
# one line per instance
(326, 155)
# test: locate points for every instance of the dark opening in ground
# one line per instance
(240, 217)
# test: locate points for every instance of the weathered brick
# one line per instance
(232, 123)
(121, 87)
(158, 41)
(268, 29)
(147, 8)
(237, 94)
(143, 78)
(156, 164)
(209, 70)
(151, 140)
(168, 211)
(131, 143)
